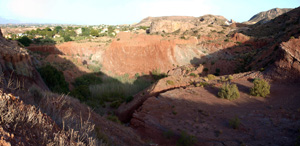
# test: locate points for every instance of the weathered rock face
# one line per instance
(132, 53)
(266, 16)
(169, 25)
(287, 66)
(211, 19)
(16, 62)
(147, 21)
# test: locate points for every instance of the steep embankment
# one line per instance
(16, 65)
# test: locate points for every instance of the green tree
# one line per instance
(67, 38)
(54, 79)
(57, 29)
(25, 41)
(94, 33)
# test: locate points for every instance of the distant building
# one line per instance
(104, 30)
(8, 36)
(56, 36)
(117, 31)
(78, 31)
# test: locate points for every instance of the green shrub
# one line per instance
(67, 38)
(186, 140)
(88, 79)
(113, 118)
(54, 79)
(94, 68)
(193, 75)
(230, 77)
(202, 84)
(261, 88)
(205, 69)
(229, 91)
(211, 77)
(137, 75)
(129, 98)
(223, 79)
(25, 41)
(169, 82)
(157, 75)
(81, 92)
(116, 104)
(168, 134)
(235, 123)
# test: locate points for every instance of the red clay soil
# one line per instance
(199, 112)
(132, 53)
(70, 48)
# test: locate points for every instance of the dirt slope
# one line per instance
(16, 64)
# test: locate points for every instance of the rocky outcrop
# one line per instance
(169, 25)
(147, 21)
(287, 66)
(266, 16)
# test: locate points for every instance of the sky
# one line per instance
(113, 12)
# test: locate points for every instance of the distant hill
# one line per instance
(6, 21)
(147, 21)
(266, 16)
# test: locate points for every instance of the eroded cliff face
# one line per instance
(169, 25)
(132, 53)
(287, 67)
(15, 62)
(266, 16)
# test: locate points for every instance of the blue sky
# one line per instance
(131, 11)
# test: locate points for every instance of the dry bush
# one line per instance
(36, 128)
(60, 109)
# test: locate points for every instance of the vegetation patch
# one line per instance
(157, 74)
(54, 79)
(186, 139)
(235, 123)
(261, 88)
(113, 118)
(211, 77)
(229, 91)
(170, 82)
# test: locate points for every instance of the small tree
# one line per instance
(25, 41)
(261, 88)
(94, 33)
(229, 91)
(67, 38)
